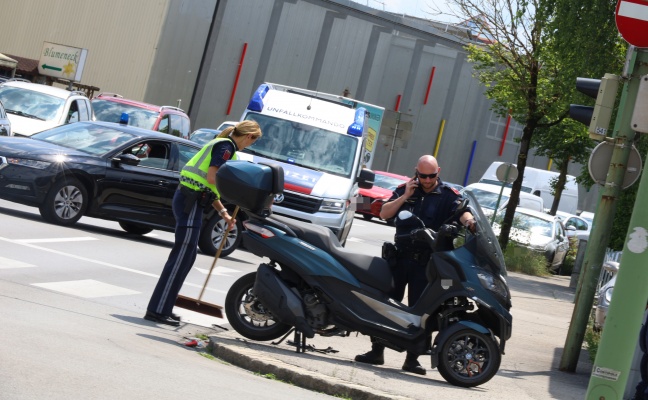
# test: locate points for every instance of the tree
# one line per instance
(586, 41)
(530, 65)
(517, 71)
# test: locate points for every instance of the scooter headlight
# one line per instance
(493, 284)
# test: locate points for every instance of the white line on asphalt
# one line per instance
(102, 263)
(6, 263)
(56, 240)
(222, 271)
(357, 240)
(87, 288)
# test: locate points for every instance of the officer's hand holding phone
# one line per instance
(411, 186)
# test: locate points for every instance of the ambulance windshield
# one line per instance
(304, 145)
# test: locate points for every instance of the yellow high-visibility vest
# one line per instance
(194, 173)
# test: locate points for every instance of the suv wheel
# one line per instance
(212, 234)
(65, 202)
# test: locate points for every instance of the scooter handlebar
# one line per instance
(419, 234)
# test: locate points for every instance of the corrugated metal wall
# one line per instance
(327, 46)
(121, 36)
(179, 52)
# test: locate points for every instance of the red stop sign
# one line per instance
(632, 21)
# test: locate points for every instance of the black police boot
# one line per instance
(412, 365)
(375, 356)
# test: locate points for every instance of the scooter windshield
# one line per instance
(486, 241)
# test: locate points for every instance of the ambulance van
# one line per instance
(319, 140)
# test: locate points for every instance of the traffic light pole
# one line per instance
(623, 322)
(603, 218)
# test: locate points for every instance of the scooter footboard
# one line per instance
(282, 302)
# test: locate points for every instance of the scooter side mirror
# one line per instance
(406, 217)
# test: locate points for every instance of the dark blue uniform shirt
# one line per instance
(433, 208)
(221, 152)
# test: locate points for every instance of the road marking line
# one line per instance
(222, 271)
(102, 263)
(56, 240)
(8, 263)
(357, 240)
(86, 288)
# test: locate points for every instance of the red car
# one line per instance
(166, 119)
(371, 200)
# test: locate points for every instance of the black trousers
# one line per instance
(182, 256)
(409, 272)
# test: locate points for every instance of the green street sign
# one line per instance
(45, 66)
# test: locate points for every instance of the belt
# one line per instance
(187, 191)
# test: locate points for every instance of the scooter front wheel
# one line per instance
(468, 358)
(247, 315)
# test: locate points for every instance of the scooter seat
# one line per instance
(370, 270)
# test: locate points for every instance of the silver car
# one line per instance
(604, 295)
(5, 124)
(539, 232)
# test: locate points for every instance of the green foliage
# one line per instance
(592, 340)
(523, 260)
(568, 265)
(585, 40)
(530, 70)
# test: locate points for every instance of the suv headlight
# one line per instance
(333, 206)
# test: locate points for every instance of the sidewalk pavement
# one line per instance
(58, 346)
(542, 309)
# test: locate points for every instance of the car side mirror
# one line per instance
(126, 158)
(366, 178)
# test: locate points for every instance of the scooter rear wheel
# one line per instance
(469, 358)
(247, 315)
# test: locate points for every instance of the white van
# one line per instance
(487, 195)
(319, 140)
(538, 182)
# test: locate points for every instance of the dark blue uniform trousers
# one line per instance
(412, 273)
(182, 257)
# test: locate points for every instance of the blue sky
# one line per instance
(417, 8)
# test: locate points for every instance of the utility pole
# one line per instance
(623, 136)
(623, 322)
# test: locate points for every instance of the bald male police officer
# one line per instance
(434, 202)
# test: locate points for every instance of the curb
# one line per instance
(255, 361)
